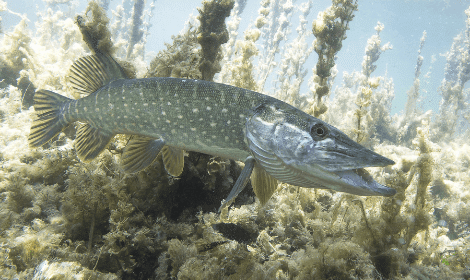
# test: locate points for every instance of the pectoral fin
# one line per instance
(241, 182)
(139, 153)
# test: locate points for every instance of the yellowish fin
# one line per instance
(139, 153)
(264, 185)
(48, 122)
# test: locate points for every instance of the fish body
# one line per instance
(192, 115)
(169, 115)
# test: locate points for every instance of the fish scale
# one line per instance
(166, 116)
(189, 114)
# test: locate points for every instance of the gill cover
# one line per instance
(301, 150)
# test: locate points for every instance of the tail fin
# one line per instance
(49, 120)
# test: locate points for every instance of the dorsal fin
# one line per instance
(90, 73)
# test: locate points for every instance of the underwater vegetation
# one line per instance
(61, 218)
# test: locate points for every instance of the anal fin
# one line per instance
(140, 152)
(173, 159)
(91, 141)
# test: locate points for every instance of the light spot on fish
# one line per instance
(242, 116)
(124, 98)
(125, 105)
(163, 113)
(213, 124)
(168, 121)
(193, 129)
(208, 108)
(224, 110)
(228, 122)
(111, 106)
(169, 103)
(145, 104)
(85, 109)
(195, 110)
(125, 117)
(180, 116)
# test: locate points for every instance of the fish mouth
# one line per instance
(345, 154)
(360, 182)
(354, 181)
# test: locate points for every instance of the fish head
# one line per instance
(299, 149)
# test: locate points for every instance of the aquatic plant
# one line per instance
(59, 216)
(329, 30)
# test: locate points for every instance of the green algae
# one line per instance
(58, 214)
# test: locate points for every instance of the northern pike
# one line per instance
(275, 140)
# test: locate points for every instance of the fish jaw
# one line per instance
(338, 152)
(354, 181)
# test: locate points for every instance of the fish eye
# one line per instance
(318, 131)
